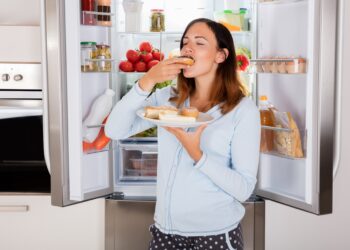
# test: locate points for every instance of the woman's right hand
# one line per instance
(165, 70)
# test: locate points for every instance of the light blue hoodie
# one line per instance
(203, 198)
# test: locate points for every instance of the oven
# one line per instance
(22, 162)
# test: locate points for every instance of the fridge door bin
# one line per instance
(125, 219)
(283, 142)
(137, 161)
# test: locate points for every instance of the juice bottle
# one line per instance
(266, 118)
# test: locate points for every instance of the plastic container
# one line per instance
(157, 20)
(296, 67)
(98, 112)
(266, 119)
(88, 51)
(132, 9)
(231, 20)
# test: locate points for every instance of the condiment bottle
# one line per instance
(88, 18)
(266, 119)
(104, 6)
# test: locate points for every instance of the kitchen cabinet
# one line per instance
(30, 222)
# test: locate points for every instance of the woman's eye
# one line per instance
(200, 43)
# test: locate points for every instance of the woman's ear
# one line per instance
(222, 55)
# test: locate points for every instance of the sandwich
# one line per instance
(153, 112)
(187, 60)
(176, 118)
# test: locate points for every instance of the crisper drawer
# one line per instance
(137, 161)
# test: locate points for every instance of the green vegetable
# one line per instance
(244, 51)
(151, 132)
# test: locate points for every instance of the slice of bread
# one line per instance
(176, 118)
(152, 112)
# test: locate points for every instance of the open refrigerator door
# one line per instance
(295, 70)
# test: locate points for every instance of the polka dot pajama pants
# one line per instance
(232, 240)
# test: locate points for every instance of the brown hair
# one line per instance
(227, 89)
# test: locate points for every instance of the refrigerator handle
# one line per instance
(45, 87)
(339, 79)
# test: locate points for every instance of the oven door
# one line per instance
(22, 163)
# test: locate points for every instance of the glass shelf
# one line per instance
(89, 18)
(97, 151)
(273, 153)
(96, 126)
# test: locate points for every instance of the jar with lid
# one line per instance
(157, 20)
(104, 56)
(88, 52)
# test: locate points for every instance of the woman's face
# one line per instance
(200, 43)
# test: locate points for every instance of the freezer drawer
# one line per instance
(127, 224)
(137, 161)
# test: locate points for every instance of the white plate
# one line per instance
(202, 119)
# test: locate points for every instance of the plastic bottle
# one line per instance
(98, 112)
(267, 119)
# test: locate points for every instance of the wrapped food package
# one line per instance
(287, 142)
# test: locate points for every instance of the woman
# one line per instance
(203, 174)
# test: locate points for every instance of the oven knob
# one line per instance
(18, 77)
(5, 77)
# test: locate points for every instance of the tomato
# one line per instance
(133, 56)
(145, 46)
(126, 66)
(157, 55)
(146, 57)
(150, 64)
(140, 66)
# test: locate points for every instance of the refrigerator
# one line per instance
(292, 47)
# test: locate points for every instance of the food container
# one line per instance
(87, 6)
(104, 7)
(297, 66)
(231, 20)
(88, 52)
(157, 20)
(104, 54)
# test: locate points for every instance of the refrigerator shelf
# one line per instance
(266, 2)
(278, 65)
(90, 18)
(276, 128)
(276, 154)
(95, 126)
(97, 151)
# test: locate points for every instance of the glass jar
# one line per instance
(157, 20)
(104, 56)
(88, 52)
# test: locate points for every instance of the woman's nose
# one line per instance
(188, 50)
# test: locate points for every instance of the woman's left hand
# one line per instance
(190, 140)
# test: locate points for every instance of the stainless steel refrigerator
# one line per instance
(278, 34)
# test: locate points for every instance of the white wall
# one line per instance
(290, 229)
